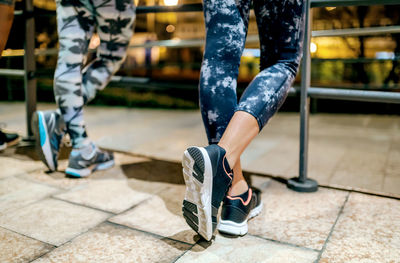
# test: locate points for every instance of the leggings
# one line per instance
(280, 26)
(74, 84)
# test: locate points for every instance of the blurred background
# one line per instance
(165, 55)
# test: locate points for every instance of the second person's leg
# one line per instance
(114, 21)
(75, 24)
(115, 29)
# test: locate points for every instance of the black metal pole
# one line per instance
(30, 67)
(301, 183)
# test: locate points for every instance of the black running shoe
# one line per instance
(236, 210)
(207, 177)
(8, 139)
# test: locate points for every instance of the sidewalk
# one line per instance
(359, 152)
(132, 212)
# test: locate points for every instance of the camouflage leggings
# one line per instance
(74, 85)
(281, 27)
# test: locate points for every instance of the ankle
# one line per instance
(238, 188)
(229, 157)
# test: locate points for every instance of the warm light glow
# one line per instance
(313, 47)
(170, 28)
(170, 2)
(330, 8)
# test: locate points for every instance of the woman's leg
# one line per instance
(114, 26)
(226, 29)
(75, 25)
(280, 25)
(226, 24)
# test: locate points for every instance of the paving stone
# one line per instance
(16, 248)
(112, 195)
(368, 230)
(124, 159)
(303, 219)
(52, 221)
(325, 155)
(278, 159)
(360, 167)
(12, 166)
(161, 215)
(259, 147)
(16, 193)
(246, 249)
(392, 168)
(182, 138)
(110, 243)
(391, 185)
(57, 179)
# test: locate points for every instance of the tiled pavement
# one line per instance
(359, 152)
(126, 215)
(132, 212)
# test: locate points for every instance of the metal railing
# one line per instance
(300, 183)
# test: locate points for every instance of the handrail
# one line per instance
(337, 3)
(199, 7)
(366, 31)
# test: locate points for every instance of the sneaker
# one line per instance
(237, 210)
(49, 129)
(84, 161)
(207, 177)
(8, 139)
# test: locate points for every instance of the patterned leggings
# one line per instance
(281, 26)
(74, 85)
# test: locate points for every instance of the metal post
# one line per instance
(301, 183)
(30, 67)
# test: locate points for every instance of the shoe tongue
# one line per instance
(88, 150)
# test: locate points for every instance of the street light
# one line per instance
(313, 47)
(170, 2)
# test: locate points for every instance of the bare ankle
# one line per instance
(238, 188)
(229, 157)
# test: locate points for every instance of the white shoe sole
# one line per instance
(3, 146)
(238, 229)
(197, 202)
(44, 141)
(88, 171)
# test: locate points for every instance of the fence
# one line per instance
(300, 183)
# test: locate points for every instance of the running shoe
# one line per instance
(8, 139)
(85, 160)
(49, 129)
(207, 177)
(237, 210)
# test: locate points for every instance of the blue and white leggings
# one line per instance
(281, 26)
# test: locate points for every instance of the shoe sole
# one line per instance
(88, 171)
(3, 146)
(196, 208)
(238, 229)
(43, 141)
